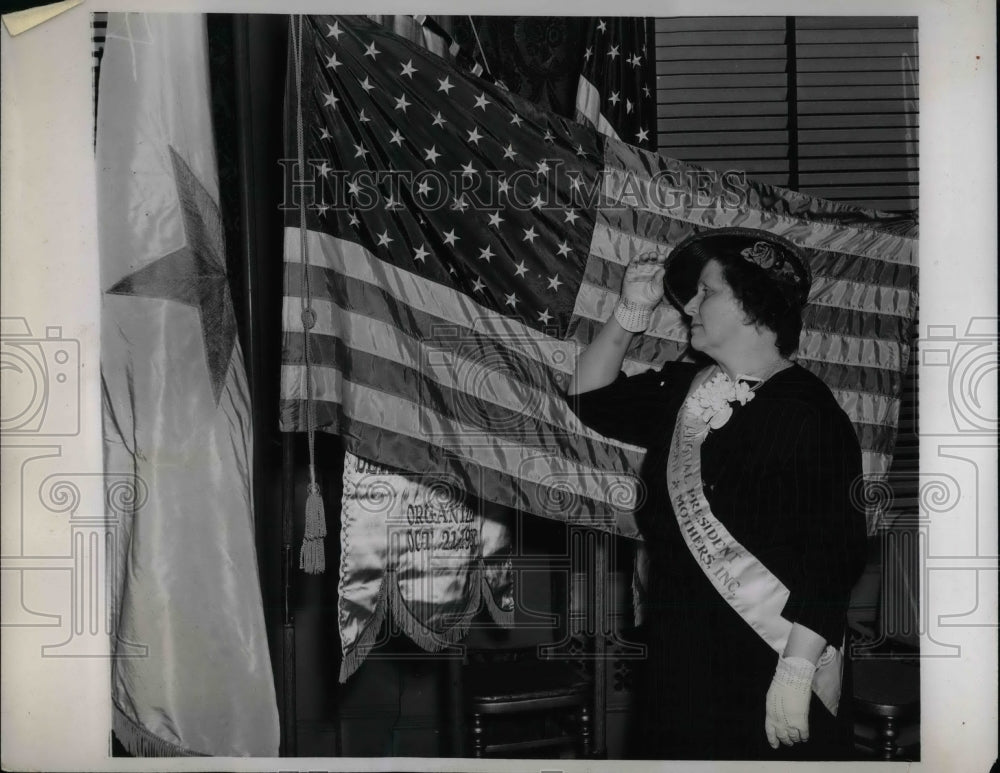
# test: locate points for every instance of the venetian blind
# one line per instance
(856, 103)
(723, 94)
(824, 105)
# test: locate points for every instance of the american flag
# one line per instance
(461, 245)
(617, 89)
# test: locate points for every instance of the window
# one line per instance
(823, 105)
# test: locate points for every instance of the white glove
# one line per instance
(642, 291)
(786, 716)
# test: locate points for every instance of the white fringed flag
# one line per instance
(191, 672)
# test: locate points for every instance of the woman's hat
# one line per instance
(779, 259)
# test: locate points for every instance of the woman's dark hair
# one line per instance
(763, 302)
(766, 274)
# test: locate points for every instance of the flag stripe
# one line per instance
(861, 269)
(588, 108)
(854, 324)
(844, 294)
(875, 465)
(850, 351)
(560, 500)
(597, 304)
(866, 408)
(819, 322)
(559, 355)
(616, 247)
(614, 240)
(625, 173)
(413, 420)
(475, 388)
(744, 194)
(869, 410)
(464, 418)
(834, 274)
(512, 384)
(473, 419)
(652, 232)
(820, 314)
(350, 260)
(368, 317)
(516, 411)
(838, 377)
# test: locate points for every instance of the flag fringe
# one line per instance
(426, 638)
(140, 742)
(390, 600)
(352, 659)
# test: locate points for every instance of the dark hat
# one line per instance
(780, 260)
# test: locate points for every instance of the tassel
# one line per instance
(312, 559)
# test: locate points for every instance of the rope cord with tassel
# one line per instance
(312, 558)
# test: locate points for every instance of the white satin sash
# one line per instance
(742, 580)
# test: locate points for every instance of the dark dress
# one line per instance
(779, 476)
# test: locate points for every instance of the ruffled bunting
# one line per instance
(413, 548)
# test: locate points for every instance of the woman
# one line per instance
(754, 541)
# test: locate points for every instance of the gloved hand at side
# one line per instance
(786, 718)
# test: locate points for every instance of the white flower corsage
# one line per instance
(712, 401)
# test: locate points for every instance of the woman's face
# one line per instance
(717, 319)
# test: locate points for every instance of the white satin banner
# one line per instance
(414, 550)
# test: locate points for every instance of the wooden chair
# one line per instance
(886, 702)
(886, 660)
(519, 705)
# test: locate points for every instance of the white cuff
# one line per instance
(632, 316)
(796, 673)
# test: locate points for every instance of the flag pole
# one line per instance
(289, 734)
(274, 558)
